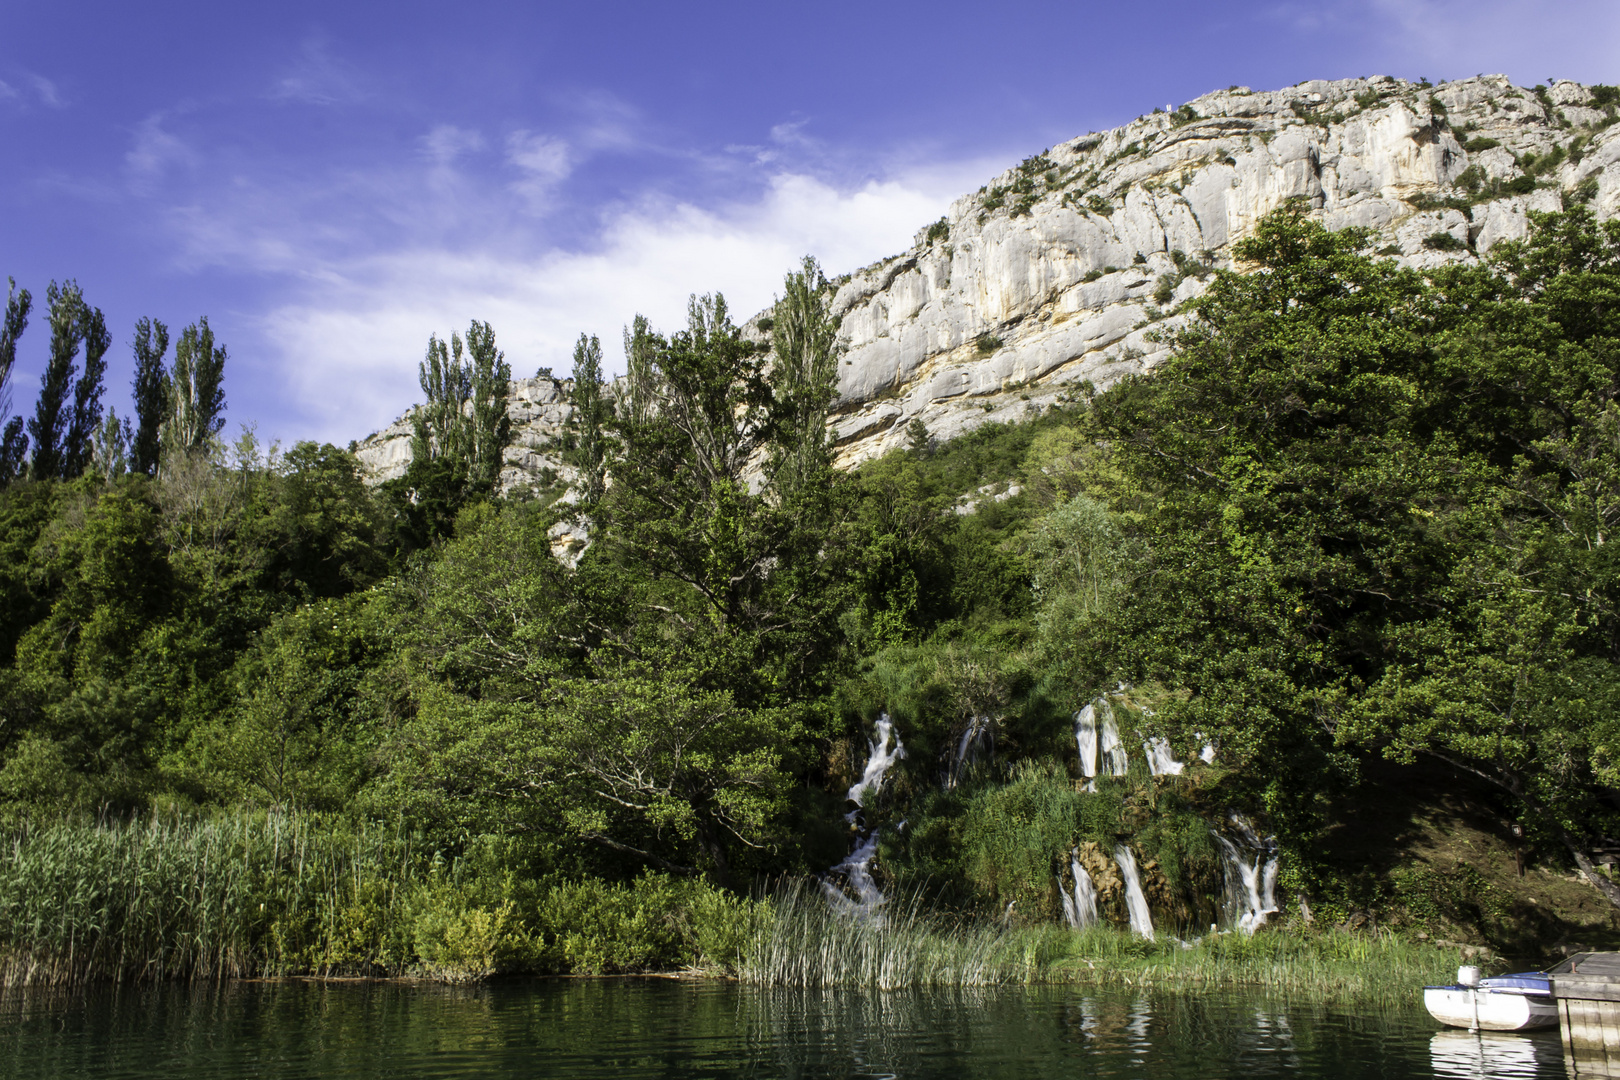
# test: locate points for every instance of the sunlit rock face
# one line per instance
(1052, 279)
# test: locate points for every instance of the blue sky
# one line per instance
(330, 183)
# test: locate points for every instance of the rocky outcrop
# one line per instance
(1049, 281)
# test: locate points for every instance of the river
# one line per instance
(627, 1029)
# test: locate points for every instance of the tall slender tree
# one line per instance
(587, 423)
(151, 393)
(464, 421)
(438, 423)
(46, 428)
(13, 443)
(804, 338)
(85, 423)
(491, 428)
(641, 373)
(196, 390)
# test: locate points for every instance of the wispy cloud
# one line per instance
(32, 89)
(1529, 40)
(543, 161)
(348, 348)
(317, 78)
(154, 150)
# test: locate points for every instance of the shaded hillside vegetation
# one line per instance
(1359, 521)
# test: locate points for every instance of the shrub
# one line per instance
(987, 343)
(1474, 146)
(1443, 241)
(939, 230)
(1099, 205)
(1586, 190)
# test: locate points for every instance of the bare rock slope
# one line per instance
(1053, 275)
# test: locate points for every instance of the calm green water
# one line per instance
(655, 1028)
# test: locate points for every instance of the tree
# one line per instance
(464, 417)
(46, 428)
(684, 507)
(151, 392)
(804, 378)
(13, 443)
(85, 424)
(109, 451)
(196, 390)
(1372, 505)
(587, 423)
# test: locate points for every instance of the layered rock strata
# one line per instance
(1049, 281)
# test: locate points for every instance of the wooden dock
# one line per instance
(1587, 989)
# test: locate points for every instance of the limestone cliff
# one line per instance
(1054, 274)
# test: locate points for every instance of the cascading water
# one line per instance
(973, 741)
(1135, 900)
(1085, 737)
(1161, 762)
(1115, 760)
(856, 869)
(1079, 907)
(1251, 875)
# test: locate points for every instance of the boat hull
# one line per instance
(1498, 1010)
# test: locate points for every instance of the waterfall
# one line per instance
(1135, 901)
(1085, 737)
(1113, 750)
(880, 755)
(1251, 876)
(1161, 762)
(856, 869)
(967, 750)
(1079, 907)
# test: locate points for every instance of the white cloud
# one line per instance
(316, 78)
(46, 91)
(36, 88)
(347, 351)
(1529, 40)
(155, 149)
(543, 161)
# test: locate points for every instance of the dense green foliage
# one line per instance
(1362, 510)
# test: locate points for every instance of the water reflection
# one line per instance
(1495, 1056)
(652, 1028)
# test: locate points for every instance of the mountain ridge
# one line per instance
(1051, 278)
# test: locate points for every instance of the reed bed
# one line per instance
(806, 943)
(184, 899)
(1326, 964)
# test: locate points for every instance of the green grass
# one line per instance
(805, 944)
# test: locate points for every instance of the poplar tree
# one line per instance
(491, 427)
(46, 428)
(85, 424)
(463, 422)
(13, 443)
(151, 394)
(804, 338)
(587, 423)
(196, 390)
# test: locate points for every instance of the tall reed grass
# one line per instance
(805, 943)
(250, 894)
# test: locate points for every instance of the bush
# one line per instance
(939, 230)
(1443, 241)
(987, 343)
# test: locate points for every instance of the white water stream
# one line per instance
(1135, 901)
(856, 869)
(1079, 907)
(1251, 875)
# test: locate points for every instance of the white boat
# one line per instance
(1520, 1002)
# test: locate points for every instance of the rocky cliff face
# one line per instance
(1053, 275)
